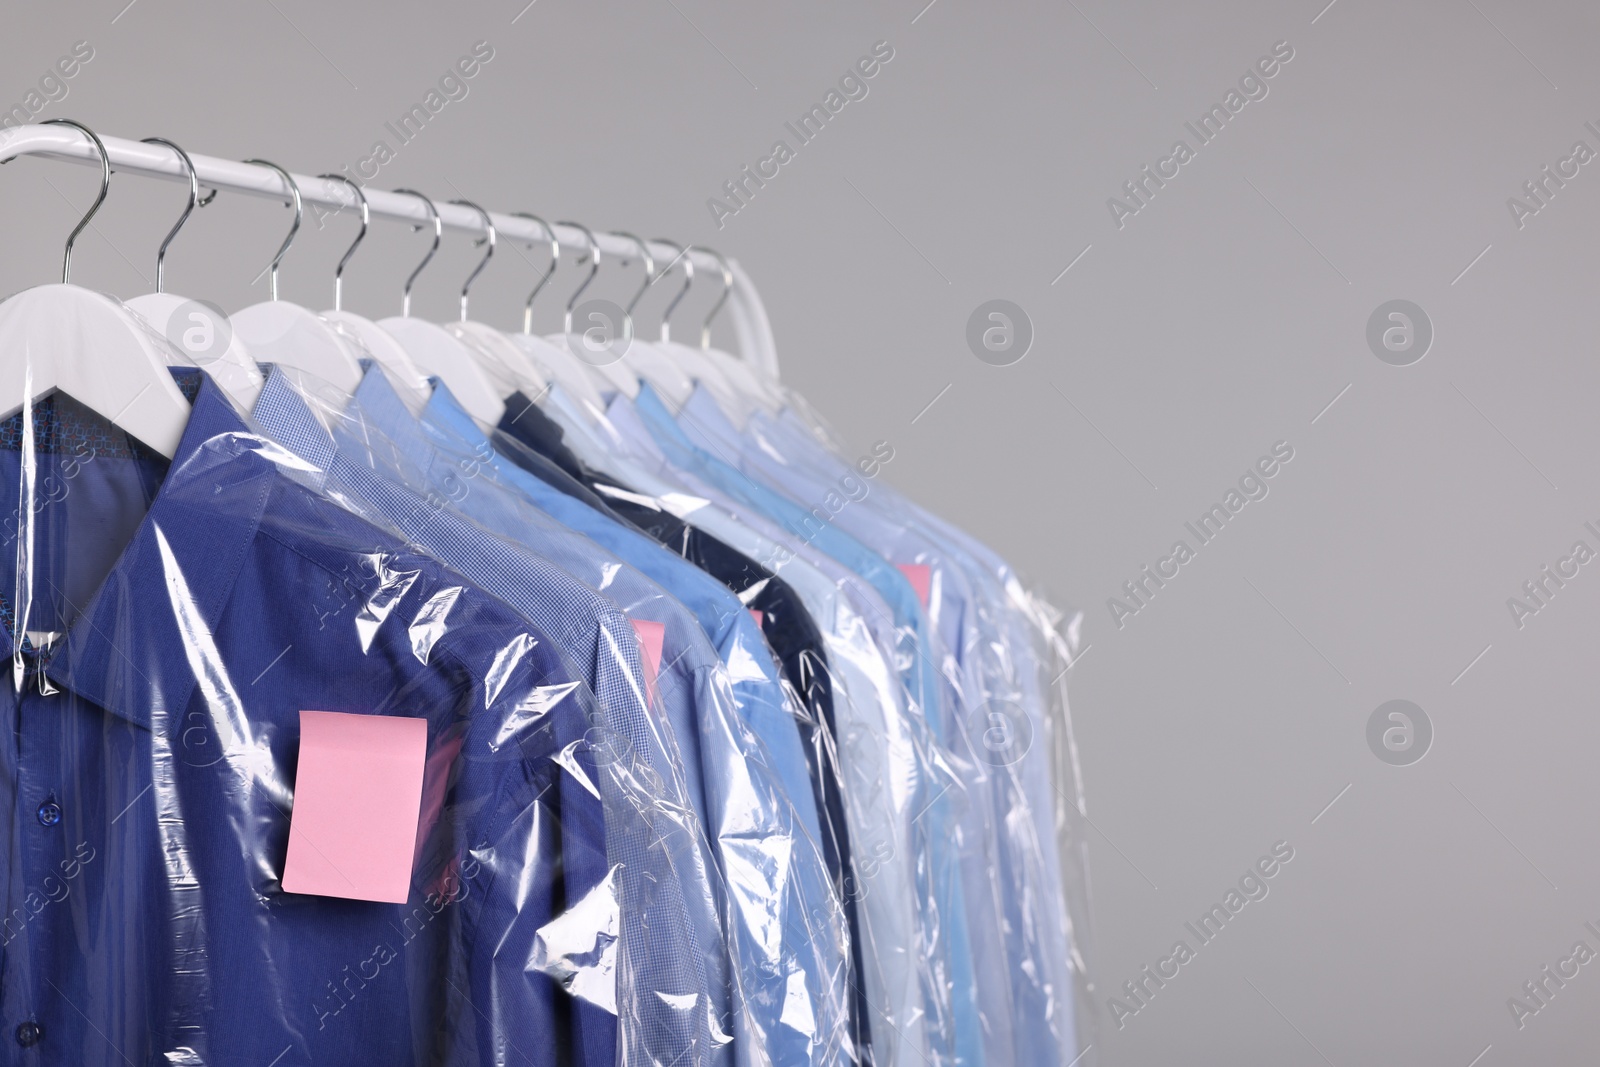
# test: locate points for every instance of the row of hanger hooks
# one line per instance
(681, 260)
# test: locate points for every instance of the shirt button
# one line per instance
(49, 813)
(29, 1034)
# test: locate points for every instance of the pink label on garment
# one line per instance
(652, 636)
(920, 575)
(761, 620)
(357, 797)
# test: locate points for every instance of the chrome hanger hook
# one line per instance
(438, 233)
(488, 238)
(688, 281)
(727, 288)
(299, 211)
(555, 261)
(649, 276)
(105, 184)
(195, 200)
(594, 255)
(366, 217)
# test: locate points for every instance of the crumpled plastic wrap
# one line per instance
(878, 740)
(751, 817)
(575, 893)
(1008, 656)
(993, 806)
(641, 837)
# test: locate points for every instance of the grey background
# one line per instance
(1225, 316)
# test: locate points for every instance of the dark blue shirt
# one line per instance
(167, 626)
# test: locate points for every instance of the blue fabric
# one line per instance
(1046, 1009)
(750, 785)
(954, 1019)
(1020, 953)
(673, 951)
(534, 442)
(143, 919)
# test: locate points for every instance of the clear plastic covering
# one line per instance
(991, 805)
(343, 729)
(1004, 656)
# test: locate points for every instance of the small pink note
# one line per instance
(652, 636)
(357, 796)
(761, 620)
(920, 575)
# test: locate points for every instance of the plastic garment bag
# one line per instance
(949, 979)
(725, 706)
(1019, 650)
(789, 619)
(887, 760)
(183, 882)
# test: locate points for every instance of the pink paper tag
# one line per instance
(358, 793)
(652, 636)
(761, 620)
(920, 575)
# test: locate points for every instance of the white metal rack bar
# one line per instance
(744, 307)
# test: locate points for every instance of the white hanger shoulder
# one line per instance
(729, 397)
(512, 369)
(602, 366)
(277, 331)
(665, 375)
(744, 376)
(209, 343)
(562, 367)
(411, 379)
(436, 352)
(63, 337)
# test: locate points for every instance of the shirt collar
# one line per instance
(148, 634)
(654, 414)
(444, 415)
(281, 411)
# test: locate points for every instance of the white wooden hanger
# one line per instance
(646, 362)
(436, 352)
(203, 333)
(596, 347)
(63, 337)
(360, 331)
(280, 332)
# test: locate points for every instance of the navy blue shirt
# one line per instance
(166, 632)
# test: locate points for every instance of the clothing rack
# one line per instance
(744, 308)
